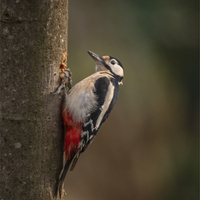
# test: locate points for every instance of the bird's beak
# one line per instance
(96, 57)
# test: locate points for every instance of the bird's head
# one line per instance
(108, 63)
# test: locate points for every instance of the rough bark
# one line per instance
(33, 37)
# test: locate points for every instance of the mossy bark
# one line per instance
(33, 37)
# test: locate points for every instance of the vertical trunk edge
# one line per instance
(33, 35)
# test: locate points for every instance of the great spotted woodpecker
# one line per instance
(86, 107)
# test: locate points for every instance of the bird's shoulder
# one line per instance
(84, 97)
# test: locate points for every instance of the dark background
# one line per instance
(148, 147)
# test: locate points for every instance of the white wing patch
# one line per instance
(91, 123)
(106, 104)
(87, 135)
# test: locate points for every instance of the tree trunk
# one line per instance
(33, 37)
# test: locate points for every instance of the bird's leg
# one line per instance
(65, 75)
(66, 81)
(60, 88)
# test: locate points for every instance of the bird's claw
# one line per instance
(60, 88)
(66, 82)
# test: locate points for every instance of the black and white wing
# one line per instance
(106, 91)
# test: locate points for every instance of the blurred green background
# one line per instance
(148, 147)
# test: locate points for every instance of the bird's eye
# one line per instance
(113, 62)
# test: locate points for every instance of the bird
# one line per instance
(86, 107)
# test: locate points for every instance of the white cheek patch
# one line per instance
(117, 70)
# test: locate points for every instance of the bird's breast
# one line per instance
(81, 100)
